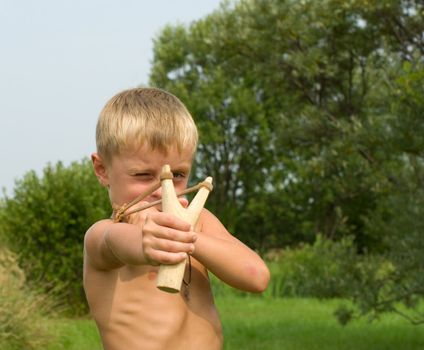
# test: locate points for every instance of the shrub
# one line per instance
(333, 269)
(325, 269)
(45, 221)
(21, 310)
(317, 270)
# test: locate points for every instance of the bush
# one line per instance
(45, 222)
(325, 269)
(317, 270)
(21, 310)
(334, 269)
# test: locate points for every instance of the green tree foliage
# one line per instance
(44, 223)
(311, 121)
(291, 101)
(399, 219)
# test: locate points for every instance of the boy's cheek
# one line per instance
(126, 194)
(120, 196)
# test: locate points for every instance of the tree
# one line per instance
(399, 220)
(305, 111)
(284, 93)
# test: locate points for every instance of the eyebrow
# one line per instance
(181, 168)
(139, 170)
(185, 168)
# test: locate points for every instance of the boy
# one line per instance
(138, 131)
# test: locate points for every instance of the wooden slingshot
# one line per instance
(170, 277)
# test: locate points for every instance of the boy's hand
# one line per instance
(166, 239)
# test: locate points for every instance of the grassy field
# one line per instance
(295, 324)
(283, 324)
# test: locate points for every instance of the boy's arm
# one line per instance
(102, 249)
(156, 238)
(228, 258)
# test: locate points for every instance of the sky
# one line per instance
(61, 60)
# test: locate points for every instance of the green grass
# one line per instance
(284, 324)
(75, 334)
(307, 324)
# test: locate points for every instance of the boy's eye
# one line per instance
(144, 176)
(178, 175)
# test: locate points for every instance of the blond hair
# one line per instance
(141, 116)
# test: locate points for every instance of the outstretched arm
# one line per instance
(110, 245)
(228, 258)
(157, 238)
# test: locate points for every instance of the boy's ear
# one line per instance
(100, 169)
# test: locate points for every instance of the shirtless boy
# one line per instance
(138, 131)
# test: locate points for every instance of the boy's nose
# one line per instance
(157, 194)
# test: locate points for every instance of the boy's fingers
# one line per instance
(169, 220)
(176, 235)
(173, 246)
(166, 258)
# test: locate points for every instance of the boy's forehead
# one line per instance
(160, 147)
(148, 156)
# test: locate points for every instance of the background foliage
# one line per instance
(45, 221)
(311, 122)
(21, 310)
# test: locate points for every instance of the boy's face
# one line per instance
(133, 172)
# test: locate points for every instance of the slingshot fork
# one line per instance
(170, 277)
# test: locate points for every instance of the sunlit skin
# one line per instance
(120, 262)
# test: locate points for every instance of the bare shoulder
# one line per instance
(95, 233)
(95, 248)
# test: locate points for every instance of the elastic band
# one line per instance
(206, 184)
(119, 214)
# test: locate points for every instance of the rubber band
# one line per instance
(122, 212)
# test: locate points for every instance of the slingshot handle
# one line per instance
(170, 277)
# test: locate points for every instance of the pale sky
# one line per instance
(61, 60)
